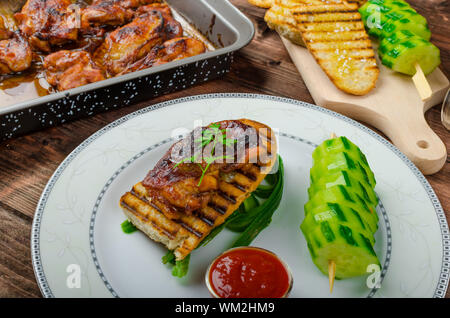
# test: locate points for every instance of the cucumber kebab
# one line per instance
(340, 216)
(404, 36)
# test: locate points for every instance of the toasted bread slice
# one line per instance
(358, 2)
(281, 19)
(334, 33)
(335, 36)
(262, 3)
(296, 3)
(185, 232)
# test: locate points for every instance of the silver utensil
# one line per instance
(445, 113)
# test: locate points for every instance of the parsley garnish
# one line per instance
(214, 136)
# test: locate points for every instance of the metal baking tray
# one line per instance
(219, 21)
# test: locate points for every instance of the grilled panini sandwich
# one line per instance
(178, 203)
(334, 33)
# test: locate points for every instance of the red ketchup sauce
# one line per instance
(249, 273)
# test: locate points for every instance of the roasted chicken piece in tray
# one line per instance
(104, 13)
(4, 32)
(177, 49)
(172, 28)
(137, 3)
(126, 45)
(171, 50)
(47, 23)
(111, 12)
(180, 202)
(131, 42)
(69, 69)
(15, 54)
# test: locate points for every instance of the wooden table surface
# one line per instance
(26, 163)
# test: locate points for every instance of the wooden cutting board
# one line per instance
(393, 106)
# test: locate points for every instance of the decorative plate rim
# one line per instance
(41, 279)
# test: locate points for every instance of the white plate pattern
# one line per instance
(64, 228)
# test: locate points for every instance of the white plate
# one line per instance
(77, 222)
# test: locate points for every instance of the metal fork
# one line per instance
(445, 113)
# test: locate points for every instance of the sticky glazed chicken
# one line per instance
(176, 186)
(88, 41)
(15, 54)
(126, 45)
(172, 28)
(177, 49)
(131, 42)
(171, 50)
(172, 207)
(4, 32)
(47, 23)
(110, 12)
(69, 69)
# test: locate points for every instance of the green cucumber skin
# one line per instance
(343, 194)
(347, 233)
(370, 218)
(383, 7)
(340, 147)
(392, 19)
(346, 196)
(355, 181)
(338, 233)
(340, 216)
(342, 161)
(340, 156)
(395, 17)
(409, 13)
(391, 27)
(337, 145)
(368, 244)
(327, 232)
(337, 214)
(397, 50)
(348, 242)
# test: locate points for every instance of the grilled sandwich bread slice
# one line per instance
(358, 2)
(262, 3)
(335, 36)
(334, 33)
(281, 18)
(172, 207)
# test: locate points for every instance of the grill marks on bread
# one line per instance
(182, 231)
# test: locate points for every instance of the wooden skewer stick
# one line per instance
(421, 82)
(331, 263)
(331, 273)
